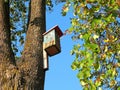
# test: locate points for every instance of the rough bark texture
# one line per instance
(29, 75)
(33, 54)
(6, 54)
(7, 61)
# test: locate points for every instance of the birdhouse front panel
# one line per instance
(49, 39)
(52, 42)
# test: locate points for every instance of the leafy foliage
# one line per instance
(18, 22)
(96, 23)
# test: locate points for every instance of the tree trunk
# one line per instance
(29, 75)
(32, 56)
(7, 61)
(6, 54)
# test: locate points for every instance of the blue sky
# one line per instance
(60, 76)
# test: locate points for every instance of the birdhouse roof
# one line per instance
(58, 30)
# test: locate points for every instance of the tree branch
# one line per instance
(6, 53)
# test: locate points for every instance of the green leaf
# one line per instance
(80, 75)
(74, 22)
(98, 83)
(108, 19)
(102, 76)
(86, 36)
(93, 87)
(86, 88)
(75, 65)
(87, 74)
(95, 22)
(113, 72)
(49, 2)
(71, 29)
(97, 66)
(118, 88)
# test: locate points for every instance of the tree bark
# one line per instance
(7, 60)
(32, 56)
(29, 75)
(6, 54)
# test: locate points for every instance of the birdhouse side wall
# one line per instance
(57, 41)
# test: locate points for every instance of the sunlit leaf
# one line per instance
(99, 88)
(112, 83)
(95, 37)
(83, 82)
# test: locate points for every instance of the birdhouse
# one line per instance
(52, 41)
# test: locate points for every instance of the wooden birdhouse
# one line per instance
(52, 41)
